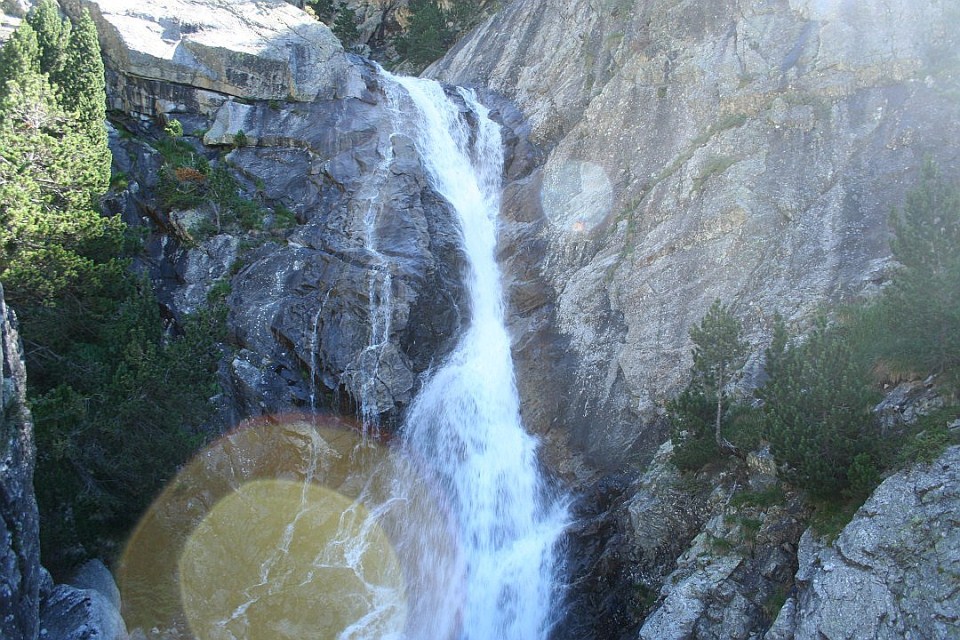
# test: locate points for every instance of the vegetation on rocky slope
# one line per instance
(118, 396)
(816, 405)
(411, 34)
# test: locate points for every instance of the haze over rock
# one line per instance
(740, 149)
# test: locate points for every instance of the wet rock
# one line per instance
(364, 293)
(627, 537)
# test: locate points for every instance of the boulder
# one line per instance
(264, 49)
(86, 607)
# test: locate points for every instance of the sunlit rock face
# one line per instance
(741, 149)
(364, 293)
(267, 50)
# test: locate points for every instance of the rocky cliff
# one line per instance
(362, 293)
(20, 572)
(661, 154)
(742, 149)
(30, 605)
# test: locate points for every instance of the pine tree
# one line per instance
(702, 409)
(345, 26)
(817, 408)
(324, 10)
(81, 81)
(19, 58)
(427, 36)
(719, 354)
(922, 305)
(53, 35)
(116, 402)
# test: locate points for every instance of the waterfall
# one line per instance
(293, 529)
(465, 423)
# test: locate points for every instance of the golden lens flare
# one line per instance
(293, 528)
(278, 560)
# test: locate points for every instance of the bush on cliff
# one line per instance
(117, 398)
(920, 310)
(817, 405)
(703, 413)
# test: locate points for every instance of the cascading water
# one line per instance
(465, 423)
(293, 528)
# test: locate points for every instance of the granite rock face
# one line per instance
(892, 572)
(266, 50)
(87, 607)
(20, 572)
(364, 292)
(742, 149)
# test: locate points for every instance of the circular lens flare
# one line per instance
(295, 527)
(278, 560)
(576, 196)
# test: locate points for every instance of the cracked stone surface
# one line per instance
(894, 571)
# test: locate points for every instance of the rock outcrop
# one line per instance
(85, 608)
(740, 149)
(893, 571)
(266, 51)
(20, 572)
(364, 292)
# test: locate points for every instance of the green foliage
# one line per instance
(921, 307)
(323, 9)
(691, 418)
(126, 411)
(53, 36)
(763, 499)
(81, 82)
(240, 139)
(465, 14)
(187, 181)
(703, 410)
(173, 128)
(427, 36)
(831, 515)
(117, 402)
(927, 438)
(180, 153)
(345, 26)
(862, 476)
(719, 351)
(283, 217)
(817, 406)
(774, 602)
(20, 56)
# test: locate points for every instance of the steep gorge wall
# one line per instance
(372, 247)
(20, 572)
(749, 150)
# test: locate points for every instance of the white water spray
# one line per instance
(465, 423)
